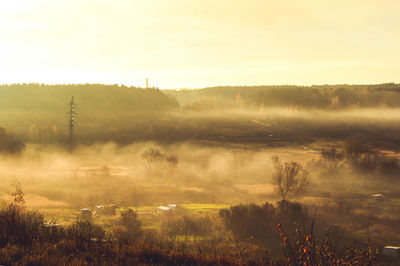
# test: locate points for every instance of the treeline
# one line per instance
(122, 99)
(10, 144)
(317, 96)
(97, 97)
(38, 112)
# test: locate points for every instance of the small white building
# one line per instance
(109, 209)
(86, 213)
(392, 251)
(162, 209)
(378, 197)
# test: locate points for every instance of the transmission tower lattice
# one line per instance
(71, 125)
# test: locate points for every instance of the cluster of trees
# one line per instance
(19, 226)
(128, 114)
(251, 221)
(154, 159)
(100, 98)
(320, 96)
(328, 97)
(361, 156)
(289, 230)
(186, 225)
(105, 112)
(128, 99)
(9, 143)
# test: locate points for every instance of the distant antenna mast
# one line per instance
(147, 83)
(71, 125)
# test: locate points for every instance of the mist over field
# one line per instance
(150, 164)
(199, 132)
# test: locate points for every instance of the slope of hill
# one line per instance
(317, 96)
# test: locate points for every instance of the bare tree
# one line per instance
(172, 162)
(290, 178)
(152, 157)
(18, 194)
(331, 158)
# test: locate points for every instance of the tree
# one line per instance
(172, 162)
(18, 194)
(290, 178)
(331, 158)
(152, 157)
(9, 143)
(131, 227)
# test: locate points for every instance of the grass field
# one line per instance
(147, 214)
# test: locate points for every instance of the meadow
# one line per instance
(217, 165)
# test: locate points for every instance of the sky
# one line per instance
(200, 43)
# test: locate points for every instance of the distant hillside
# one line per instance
(38, 113)
(321, 96)
(30, 103)
(89, 96)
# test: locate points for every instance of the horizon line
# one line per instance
(197, 88)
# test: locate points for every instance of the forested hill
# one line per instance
(38, 112)
(317, 96)
(97, 97)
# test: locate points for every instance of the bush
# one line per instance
(330, 158)
(129, 229)
(186, 225)
(305, 249)
(253, 222)
(361, 156)
(20, 227)
(83, 232)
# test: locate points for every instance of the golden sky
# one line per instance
(198, 43)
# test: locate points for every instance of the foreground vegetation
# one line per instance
(244, 234)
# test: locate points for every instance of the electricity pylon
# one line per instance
(71, 125)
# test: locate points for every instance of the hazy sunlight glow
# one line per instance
(195, 43)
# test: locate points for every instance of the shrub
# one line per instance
(253, 222)
(186, 225)
(129, 229)
(330, 158)
(361, 156)
(305, 249)
(83, 232)
(21, 227)
(18, 226)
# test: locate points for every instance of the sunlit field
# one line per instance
(221, 185)
(199, 132)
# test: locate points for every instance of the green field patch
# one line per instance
(204, 208)
(152, 227)
(193, 207)
(189, 238)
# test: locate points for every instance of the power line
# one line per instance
(30, 107)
